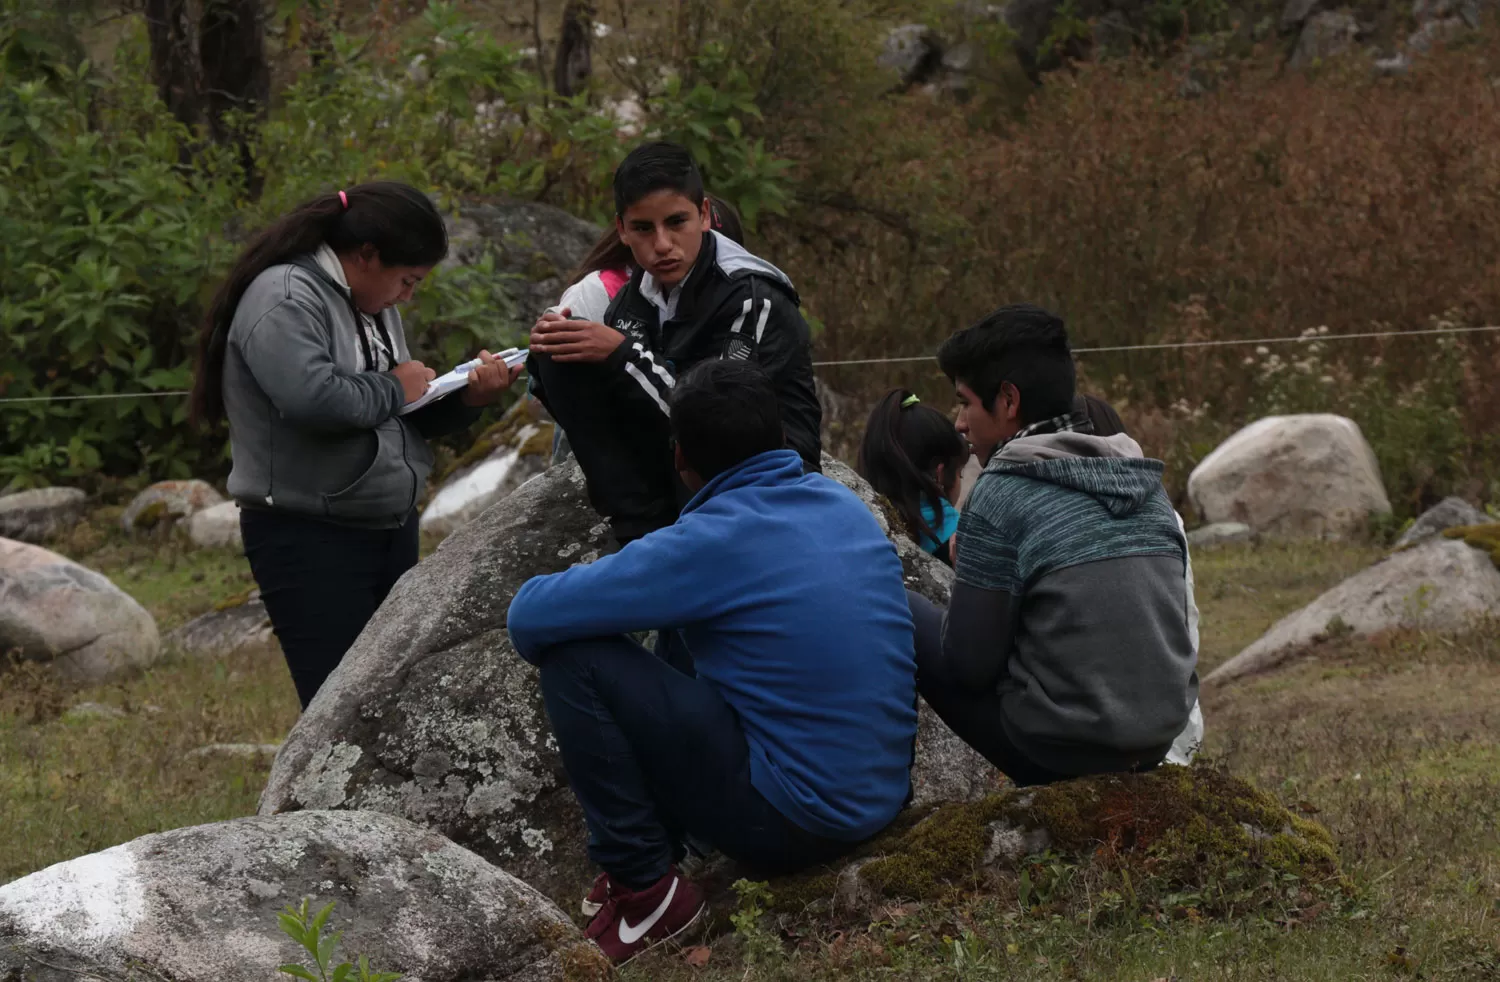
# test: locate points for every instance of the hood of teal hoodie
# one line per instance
(1111, 469)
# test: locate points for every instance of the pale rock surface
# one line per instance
(57, 611)
(226, 630)
(39, 514)
(1442, 584)
(1292, 477)
(200, 904)
(1219, 534)
(520, 456)
(167, 503)
(1446, 514)
(217, 527)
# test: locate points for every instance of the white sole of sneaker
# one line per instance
(702, 909)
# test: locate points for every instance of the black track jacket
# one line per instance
(731, 305)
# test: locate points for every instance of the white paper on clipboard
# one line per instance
(446, 385)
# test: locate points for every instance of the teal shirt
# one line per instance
(944, 526)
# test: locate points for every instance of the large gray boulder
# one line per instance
(200, 905)
(536, 248)
(1289, 477)
(504, 457)
(1442, 584)
(1446, 514)
(166, 503)
(39, 514)
(432, 716)
(54, 610)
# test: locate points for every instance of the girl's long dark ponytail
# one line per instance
(903, 445)
(398, 220)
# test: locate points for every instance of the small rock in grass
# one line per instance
(57, 612)
(1220, 534)
(39, 514)
(94, 710)
(1449, 513)
(168, 502)
(217, 527)
(236, 751)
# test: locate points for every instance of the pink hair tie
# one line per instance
(345, 199)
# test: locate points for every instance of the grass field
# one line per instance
(1393, 743)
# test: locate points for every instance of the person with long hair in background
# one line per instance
(914, 455)
(302, 350)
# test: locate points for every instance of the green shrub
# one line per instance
(106, 243)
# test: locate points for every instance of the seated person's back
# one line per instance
(793, 743)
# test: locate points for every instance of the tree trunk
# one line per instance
(571, 70)
(231, 38)
(174, 65)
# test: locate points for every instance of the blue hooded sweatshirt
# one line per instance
(793, 604)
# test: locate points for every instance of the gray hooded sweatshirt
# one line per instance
(310, 431)
(1072, 603)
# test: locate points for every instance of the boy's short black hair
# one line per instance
(653, 167)
(1021, 344)
(724, 413)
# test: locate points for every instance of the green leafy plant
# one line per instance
(711, 117)
(309, 931)
(762, 946)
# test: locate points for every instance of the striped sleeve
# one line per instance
(651, 375)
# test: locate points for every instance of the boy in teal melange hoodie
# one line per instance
(1067, 648)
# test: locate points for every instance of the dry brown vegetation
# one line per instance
(1277, 203)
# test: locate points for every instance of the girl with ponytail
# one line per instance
(914, 455)
(302, 350)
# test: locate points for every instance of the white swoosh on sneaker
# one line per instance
(630, 935)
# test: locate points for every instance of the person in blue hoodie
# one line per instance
(1070, 643)
(794, 742)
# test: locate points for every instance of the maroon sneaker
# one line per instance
(633, 921)
(598, 895)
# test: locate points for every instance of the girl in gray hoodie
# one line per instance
(303, 351)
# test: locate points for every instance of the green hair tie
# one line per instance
(910, 401)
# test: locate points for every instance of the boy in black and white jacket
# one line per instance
(695, 295)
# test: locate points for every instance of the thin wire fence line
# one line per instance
(101, 395)
(1164, 346)
(1171, 345)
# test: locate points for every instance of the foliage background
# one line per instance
(1274, 204)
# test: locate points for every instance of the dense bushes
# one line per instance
(1274, 204)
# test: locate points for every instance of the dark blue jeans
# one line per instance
(321, 583)
(974, 716)
(655, 755)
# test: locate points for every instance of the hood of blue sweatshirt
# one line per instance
(793, 604)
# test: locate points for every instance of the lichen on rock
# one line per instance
(1483, 537)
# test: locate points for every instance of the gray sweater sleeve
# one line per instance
(978, 633)
(288, 353)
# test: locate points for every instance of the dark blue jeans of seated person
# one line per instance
(653, 755)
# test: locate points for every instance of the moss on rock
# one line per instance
(1175, 830)
(1484, 537)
